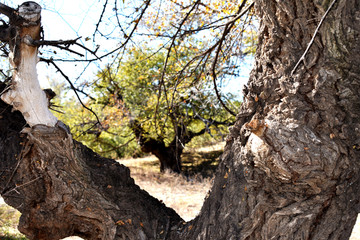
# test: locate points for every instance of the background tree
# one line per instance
(291, 163)
(194, 28)
(164, 124)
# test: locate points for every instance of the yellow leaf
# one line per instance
(120, 222)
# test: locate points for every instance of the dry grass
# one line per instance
(184, 193)
(9, 218)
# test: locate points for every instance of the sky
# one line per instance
(64, 20)
(69, 19)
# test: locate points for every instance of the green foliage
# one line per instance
(161, 98)
(137, 89)
(170, 84)
(111, 139)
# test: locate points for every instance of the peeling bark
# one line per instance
(25, 93)
(291, 164)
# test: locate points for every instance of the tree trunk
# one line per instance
(63, 188)
(169, 156)
(291, 164)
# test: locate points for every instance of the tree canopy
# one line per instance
(128, 94)
(173, 83)
(290, 168)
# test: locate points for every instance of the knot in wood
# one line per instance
(30, 11)
(256, 126)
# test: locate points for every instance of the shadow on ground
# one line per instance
(201, 163)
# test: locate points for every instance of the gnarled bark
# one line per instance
(62, 188)
(291, 164)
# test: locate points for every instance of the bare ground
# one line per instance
(186, 192)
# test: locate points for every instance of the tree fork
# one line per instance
(46, 175)
(291, 164)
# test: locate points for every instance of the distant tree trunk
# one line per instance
(169, 156)
(291, 164)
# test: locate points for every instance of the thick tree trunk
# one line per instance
(169, 156)
(291, 164)
(62, 188)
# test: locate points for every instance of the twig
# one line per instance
(162, 83)
(312, 39)
(66, 44)
(147, 4)
(100, 19)
(227, 29)
(118, 147)
(73, 88)
(20, 186)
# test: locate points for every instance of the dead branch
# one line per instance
(8, 11)
(72, 87)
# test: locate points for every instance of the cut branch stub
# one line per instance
(25, 93)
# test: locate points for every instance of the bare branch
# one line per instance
(118, 147)
(8, 11)
(227, 29)
(100, 19)
(72, 87)
(59, 43)
(162, 83)
(129, 36)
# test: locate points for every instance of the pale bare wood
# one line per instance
(26, 94)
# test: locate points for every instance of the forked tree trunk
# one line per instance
(290, 169)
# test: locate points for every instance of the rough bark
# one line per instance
(291, 164)
(62, 188)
